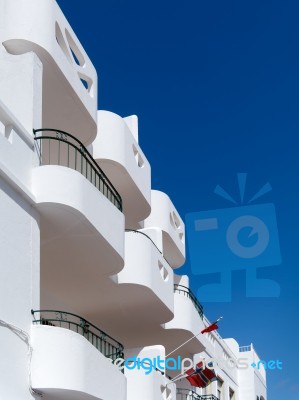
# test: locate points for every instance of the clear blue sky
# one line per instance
(215, 85)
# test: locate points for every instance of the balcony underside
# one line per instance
(126, 312)
(61, 103)
(119, 309)
(74, 257)
(79, 247)
(138, 332)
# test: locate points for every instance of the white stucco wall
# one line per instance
(19, 288)
(21, 87)
(20, 108)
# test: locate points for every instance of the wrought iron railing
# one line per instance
(187, 394)
(57, 147)
(187, 292)
(163, 373)
(157, 370)
(147, 236)
(108, 346)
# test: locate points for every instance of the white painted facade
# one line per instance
(85, 241)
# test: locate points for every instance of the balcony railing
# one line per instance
(148, 237)
(188, 293)
(56, 147)
(108, 346)
(243, 349)
(187, 394)
(144, 234)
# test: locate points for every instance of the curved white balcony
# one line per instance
(164, 216)
(143, 327)
(126, 302)
(82, 235)
(69, 78)
(148, 381)
(145, 267)
(66, 365)
(154, 386)
(118, 154)
(187, 322)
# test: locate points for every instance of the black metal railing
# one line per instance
(108, 346)
(57, 147)
(163, 373)
(144, 234)
(187, 394)
(187, 292)
(148, 237)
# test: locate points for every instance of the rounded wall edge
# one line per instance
(64, 360)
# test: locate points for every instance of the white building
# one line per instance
(86, 245)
